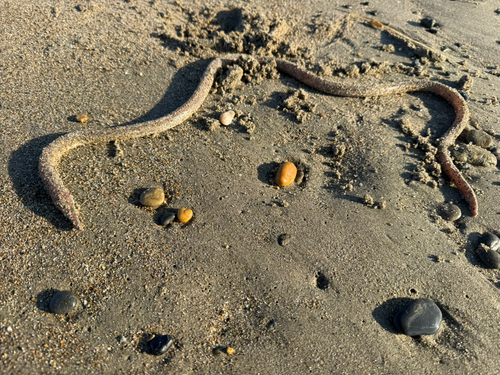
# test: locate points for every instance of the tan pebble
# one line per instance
(153, 197)
(286, 174)
(230, 351)
(82, 118)
(227, 118)
(184, 215)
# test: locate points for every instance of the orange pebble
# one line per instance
(376, 24)
(184, 215)
(230, 351)
(82, 118)
(286, 174)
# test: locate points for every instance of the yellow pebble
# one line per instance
(184, 215)
(153, 197)
(376, 24)
(82, 118)
(286, 174)
(227, 118)
(230, 351)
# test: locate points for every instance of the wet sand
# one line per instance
(324, 302)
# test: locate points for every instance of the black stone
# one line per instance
(489, 244)
(322, 281)
(63, 302)
(464, 95)
(167, 218)
(421, 317)
(490, 240)
(160, 344)
(428, 22)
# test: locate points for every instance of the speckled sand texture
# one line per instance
(301, 279)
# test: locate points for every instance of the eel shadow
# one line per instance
(23, 163)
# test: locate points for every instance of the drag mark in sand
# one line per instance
(52, 154)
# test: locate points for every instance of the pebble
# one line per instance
(421, 317)
(167, 218)
(227, 118)
(82, 118)
(152, 197)
(63, 302)
(286, 174)
(450, 212)
(490, 240)
(478, 138)
(160, 344)
(184, 215)
(230, 351)
(489, 244)
(428, 22)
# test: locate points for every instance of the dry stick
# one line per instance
(52, 154)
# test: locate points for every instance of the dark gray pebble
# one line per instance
(450, 212)
(421, 317)
(284, 239)
(428, 22)
(63, 302)
(464, 95)
(167, 218)
(489, 244)
(490, 240)
(160, 344)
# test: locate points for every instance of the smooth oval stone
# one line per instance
(63, 302)
(184, 215)
(489, 244)
(421, 317)
(153, 197)
(167, 218)
(227, 118)
(450, 212)
(160, 344)
(286, 174)
(490, 240)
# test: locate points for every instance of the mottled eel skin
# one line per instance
(52, 154)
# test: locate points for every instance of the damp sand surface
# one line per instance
(301, 279)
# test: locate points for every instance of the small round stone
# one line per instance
(167, 218)
(230, 351)
(227, 118)
(82, 118)
(490, 240)
(153, 197)
(63, 302)
(421, 317)
(160, 344)
(184, 215)
(489, 244)
(286, 174)
(428, 22)
(450, 212)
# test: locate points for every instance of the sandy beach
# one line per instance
(306, 278)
